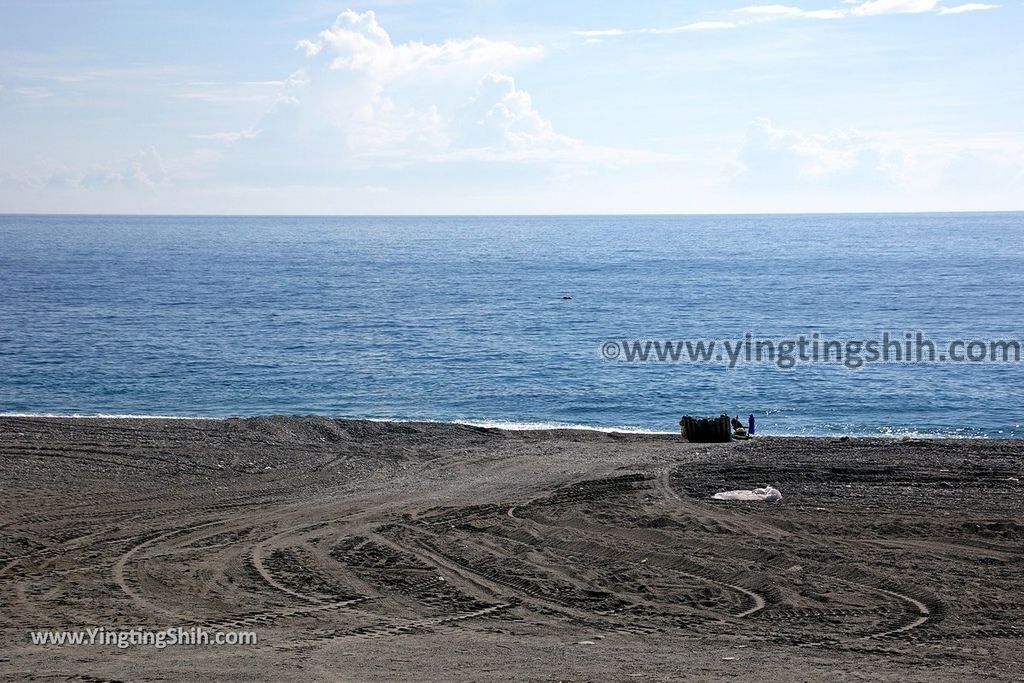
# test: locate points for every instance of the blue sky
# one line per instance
(510, 107)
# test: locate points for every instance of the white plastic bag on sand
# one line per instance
(768, 494)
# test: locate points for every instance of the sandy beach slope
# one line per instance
(371, 551)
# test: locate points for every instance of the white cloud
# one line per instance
(363, 101)
(46, 71)
(275, 84)
(229, 136)
(506, 121)
(684, 28)
(875, 7)
(969, 7)
(770, 12)
(357, 42)
(389, 99)
(599, 33)
(784, 152)
(882, 165)
(34, 93)
(501, 123)
(144, 169)
(311, 48)
(696, 26)
(147, 168)
(783, 11)
(512, 108)
(214, 97)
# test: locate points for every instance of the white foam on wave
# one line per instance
(915, 434)
(879, 434)
(510, 425)
(513, 426)
(489, 424)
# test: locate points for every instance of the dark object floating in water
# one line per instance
(706, 429)
(566, 298)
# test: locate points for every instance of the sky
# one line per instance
(510, 107)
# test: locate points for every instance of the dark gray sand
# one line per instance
(377, 552)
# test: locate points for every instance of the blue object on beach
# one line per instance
(750, 425)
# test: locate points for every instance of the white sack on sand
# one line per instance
(768, 494)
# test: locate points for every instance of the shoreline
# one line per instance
(501, 425)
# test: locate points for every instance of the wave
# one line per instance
(519, 426)
(509, 425)
(889, 433)
(514, 426)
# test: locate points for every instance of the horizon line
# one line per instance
(504, 215)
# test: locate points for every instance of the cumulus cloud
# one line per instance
(500, 121)
(147, 168)
(789, 153)
(385, 98)
(363, 101)
(144, 169)
(510, 112)
(878, 164)
(357, 42)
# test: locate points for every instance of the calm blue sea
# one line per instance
(464, 318)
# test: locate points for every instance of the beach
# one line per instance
(365, 551)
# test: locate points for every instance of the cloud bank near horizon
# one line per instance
(362, 122)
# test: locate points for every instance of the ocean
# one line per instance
(512, 321)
